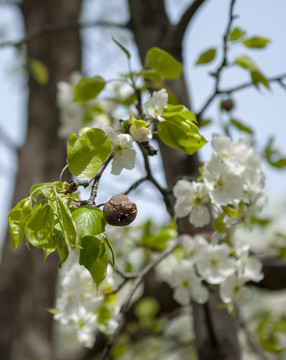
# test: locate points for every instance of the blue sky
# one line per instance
(263, 110)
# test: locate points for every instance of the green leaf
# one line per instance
(94, 257)
(17, 219)
(158, 241)
(62, 250)
(181, 134)
(66, 221)
(151, 74)
(147, 307)
(103, 316)
(179, 111)
(88, 221)
(219, 225)
(258, 78)
(163, 63)
(37, 189)
(108, 243)
(206, 57)
(88, 89)
(256, 42)
(259, 221)
(204, 122)
(236, 34)
(230, 211)
(241, 127)
(86, 154)
(39, 72)
(273, 156)
(247, 63)
(39, 228)
(127, 53)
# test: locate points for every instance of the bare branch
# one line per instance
(125, 306)
(223, 64)
(249, 84)
(74, 185)
(164, 192)
(59, 28)
(186, 18)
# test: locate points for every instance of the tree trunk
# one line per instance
(215, 328)
(27, 283)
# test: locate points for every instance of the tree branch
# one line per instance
(223, 63)
(125, 306)
(58, 28)
(249, 84)
(186, 18)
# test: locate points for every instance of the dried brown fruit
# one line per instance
(119, 210)
(227, 104)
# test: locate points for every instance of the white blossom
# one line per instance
(215, 264)
(190, 199)
(155, 103)
(225, 187)
(232, 289)
(186, 284)
(194, 246)
(248, 268)
(123, 153)
(140, 131)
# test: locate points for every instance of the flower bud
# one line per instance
(119, 211)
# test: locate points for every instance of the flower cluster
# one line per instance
(84, 307)
(214, 264)
(231, 188)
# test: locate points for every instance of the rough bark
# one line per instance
(27, 283)
(151, 27)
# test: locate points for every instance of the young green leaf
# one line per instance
(39, 228)
(181, 134)
(108, 243)
(88, 221)
(256, 42)
(241, 127)
(236, 34)
(63, 250)
(37, 189)
(127, 53)
(66, 221)
(180, 111)
(206, 57)
(163, 63)
(39, 72)
(219, 225)
(86, 153)
(258, 78)
(94, 257)
(247, 63)
(17, 219)
(230, 211)
(88, 89)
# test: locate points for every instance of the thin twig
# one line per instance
(223, 63)
(125, 306)
(58, 28)
(97, 179)
(164, 192)
(249, 84)
(135, 185)
(75, 184)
